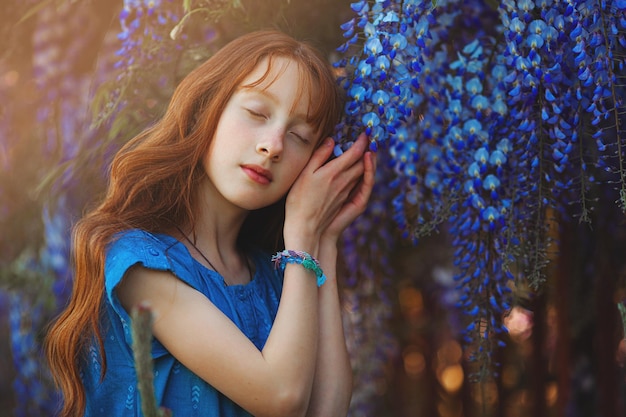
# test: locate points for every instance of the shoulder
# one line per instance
(150, 250)
(138, 243)
(153, 250)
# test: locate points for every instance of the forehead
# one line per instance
(277, 74)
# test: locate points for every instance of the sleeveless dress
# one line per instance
(252, 307)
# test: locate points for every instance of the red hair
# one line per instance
(153, 181)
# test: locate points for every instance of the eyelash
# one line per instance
(262, 116)
(257, 114)
(304, 140)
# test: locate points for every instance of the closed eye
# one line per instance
(300, 137)
(256, 114)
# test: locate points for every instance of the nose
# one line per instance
(271, 145)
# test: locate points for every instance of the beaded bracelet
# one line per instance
(281, 259)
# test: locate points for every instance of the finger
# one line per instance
(365, 170)
(362, 191)
(321, 154)
(348, 178)
(369, 175)
(353, 154)
(358, 147)
(362, 170)
(356, 201)
(374, 157)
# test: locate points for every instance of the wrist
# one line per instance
(303, 243)
(287, 256)
(329, 240)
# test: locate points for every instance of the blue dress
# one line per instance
(252, 307)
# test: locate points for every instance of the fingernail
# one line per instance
(330, 142)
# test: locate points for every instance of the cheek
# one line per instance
(224, 140)
(299, 164)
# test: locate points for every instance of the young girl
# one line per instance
(238, 169)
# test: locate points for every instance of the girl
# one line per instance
(237, 169)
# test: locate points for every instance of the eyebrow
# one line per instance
(261, 92)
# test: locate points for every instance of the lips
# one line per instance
(257, 174)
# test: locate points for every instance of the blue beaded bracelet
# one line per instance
(281, 259)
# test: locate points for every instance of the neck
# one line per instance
(218, 223)
(212, 239)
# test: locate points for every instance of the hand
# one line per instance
(356, 203)
(327, 196)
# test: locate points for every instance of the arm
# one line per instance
(278, 380)
(271, 382)
(332, 388)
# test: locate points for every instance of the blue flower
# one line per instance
(373, 46)
(364, 69)
(481, 156)
(382, 63)
(534, 41)
(479, 102)
(358, 93)
(371, 119)
(497, 158)
(474, 86)
(517, 26)
(490, 214)
(491, 182)
(537, 27)
(474, 170)
(380, 98)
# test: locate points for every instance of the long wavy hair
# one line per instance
(153, 182)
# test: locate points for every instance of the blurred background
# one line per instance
(79, 78)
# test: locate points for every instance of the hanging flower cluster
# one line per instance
(439, 150)
(382, 84)
(382, 81)
(366, 248)
(145, 26)
(60, 91)
(485, 139)
(144, 40)
(563, 60)
(154, 50)
(477, 161)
